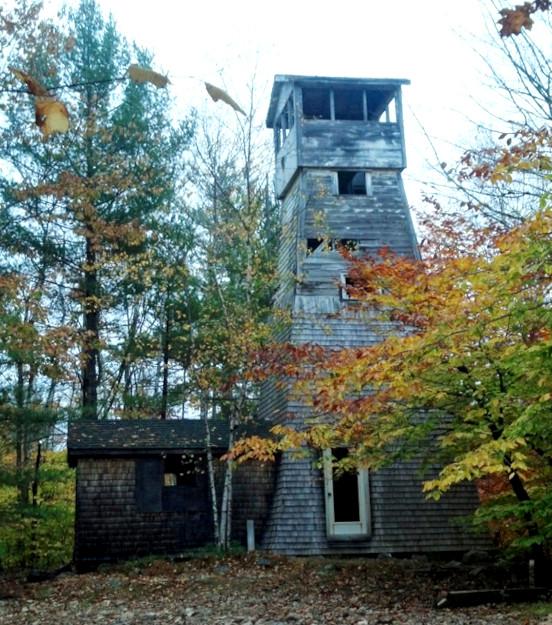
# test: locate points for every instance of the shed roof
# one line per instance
(326, 81)
(142, 436)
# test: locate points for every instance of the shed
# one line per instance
(142, 488)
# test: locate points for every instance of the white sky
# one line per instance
(430, 42)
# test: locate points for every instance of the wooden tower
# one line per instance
(339, 147)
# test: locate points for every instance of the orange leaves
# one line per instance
(140, 74)
(524, 150)
(217, 94)
(51, 115)
(33, 85)
(514, 20)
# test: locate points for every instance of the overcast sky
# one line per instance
(434, 43)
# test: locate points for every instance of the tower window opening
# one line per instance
(352, 183)
(349, 104)
(313, 245)
(316, 104)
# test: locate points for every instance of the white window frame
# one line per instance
(346, 529)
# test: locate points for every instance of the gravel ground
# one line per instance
(256, 591)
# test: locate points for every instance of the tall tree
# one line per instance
(79, 221)
(92, 193)
(238, 235)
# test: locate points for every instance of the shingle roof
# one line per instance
(94, 438)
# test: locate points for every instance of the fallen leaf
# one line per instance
(51, 115)
(140, 74)
(217, 94)
(33, 85)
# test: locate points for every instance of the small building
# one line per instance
(142, 488)
(142, 485)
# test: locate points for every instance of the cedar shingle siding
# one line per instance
(123, 508)
(314, 160)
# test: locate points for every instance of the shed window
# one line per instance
(352, 183)
(149, 475)
(180, 470)
(316, 104)
(349, 104)
(347, 498)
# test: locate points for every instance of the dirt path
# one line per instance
(253, 591)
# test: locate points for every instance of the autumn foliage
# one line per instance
(462, 374)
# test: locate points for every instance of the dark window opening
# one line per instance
(350, 245)
(345, 492)
(290, 113)
(351, 183)
(180, 471)
(317, 244)
(313, 245)
(347, 288)
(349, 104)
(149, 475)
(316, 104)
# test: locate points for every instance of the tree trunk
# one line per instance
(34, 522)
(226, 505)
(165, 386)
(210, 470)
(91, 334)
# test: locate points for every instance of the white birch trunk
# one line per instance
(211, 471)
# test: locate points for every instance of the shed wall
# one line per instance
(113, 521)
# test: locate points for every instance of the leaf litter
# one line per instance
(249, 590)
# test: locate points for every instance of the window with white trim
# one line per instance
(347, 495)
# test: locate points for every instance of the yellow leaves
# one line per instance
(217, 94)
(486, 459)
(140, 74)
(253, 447)
(51, 115)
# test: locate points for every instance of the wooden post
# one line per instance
(250, 535)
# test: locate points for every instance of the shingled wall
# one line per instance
(403, 520)
(115, 521)
(317, 212)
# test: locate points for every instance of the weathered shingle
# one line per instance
(90, 438)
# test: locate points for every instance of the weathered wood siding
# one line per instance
(116, 520)
(342, 144)
(403, 521)
(253, 489)
(110, 525)
(287, 257)
(379, 219)
(287, 162)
